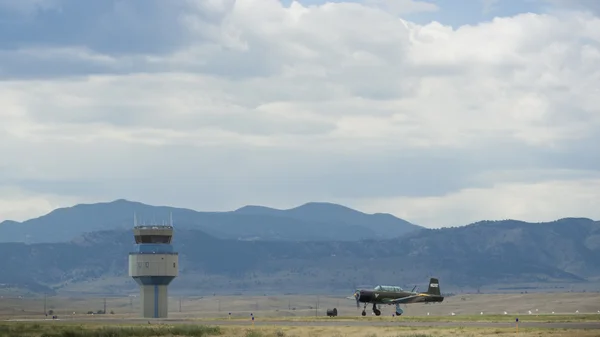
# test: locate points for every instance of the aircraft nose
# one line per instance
(366, 295)
(357, 297)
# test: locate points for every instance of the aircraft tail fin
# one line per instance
(434, 287)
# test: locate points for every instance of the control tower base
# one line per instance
(154, 301)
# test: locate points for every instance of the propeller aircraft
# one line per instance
(393, 295)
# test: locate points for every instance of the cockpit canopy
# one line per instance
(388, 288)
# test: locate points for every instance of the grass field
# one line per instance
(95, 330)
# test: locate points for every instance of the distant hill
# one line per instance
(477, 255)
(309, 222)
(385, 225)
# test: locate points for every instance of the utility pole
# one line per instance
(45, 311)
(179, 304)
(105, 305)
(219, 305)
(317, 307)
(131, 304)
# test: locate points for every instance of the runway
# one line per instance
(358, 323)
(549, 325)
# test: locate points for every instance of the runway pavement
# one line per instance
(358, 322)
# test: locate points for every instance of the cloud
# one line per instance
(489, 5)
(108, 27)
(403, 6)
(527, 201)
(19, 205)
(27, 7)
(590, 5)
(254, 102)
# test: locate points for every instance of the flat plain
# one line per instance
(548, 314)
(462, 306)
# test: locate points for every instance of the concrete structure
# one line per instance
(153, 265)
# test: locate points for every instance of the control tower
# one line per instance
(153, 265)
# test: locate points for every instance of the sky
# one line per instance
(440, 112)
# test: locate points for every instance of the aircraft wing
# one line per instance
(405, 300)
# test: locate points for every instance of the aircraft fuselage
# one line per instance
(385, 297)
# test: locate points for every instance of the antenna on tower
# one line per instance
(134, 219)
(171, 218)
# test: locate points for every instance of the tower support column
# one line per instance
(154, 300)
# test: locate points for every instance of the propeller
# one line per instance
(357, 297)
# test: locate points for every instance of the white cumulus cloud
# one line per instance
(261, 103)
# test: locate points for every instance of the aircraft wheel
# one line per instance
(364, 313)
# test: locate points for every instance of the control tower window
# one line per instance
(153, 239)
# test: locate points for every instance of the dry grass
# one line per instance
(398, 332)
(81, 330)
(95, 330)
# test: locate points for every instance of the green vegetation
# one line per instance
(280, 333)
(253, 333)
(52, 330)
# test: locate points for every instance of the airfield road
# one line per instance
(324, 323)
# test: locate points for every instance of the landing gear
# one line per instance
(399, 311)
(376, 311)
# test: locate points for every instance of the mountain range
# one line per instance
(309, 222)
(214, 258)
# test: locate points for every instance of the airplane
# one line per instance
(395, 295)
